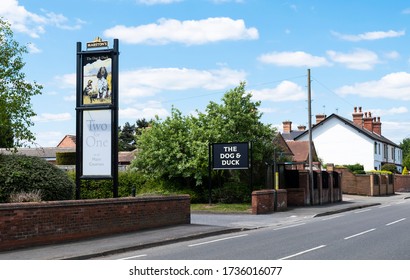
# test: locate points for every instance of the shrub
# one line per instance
(128, 182)
(33, 196)
(20, 173)
(65, 158)
(355, 168)
(389, 167)
(94, 189)
(232, 192)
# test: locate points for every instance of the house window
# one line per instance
(393, 154)
(385, 152)
(375, 148)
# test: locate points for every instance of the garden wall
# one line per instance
(367, 184)
(264, 201)
(29, 224)
(401, 183)
(327, 188)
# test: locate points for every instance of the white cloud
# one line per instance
(32, 48)
(66, 81)
(392, 86)
(360, 59)
(49, 138)
(392, 55)
(190, 32)
(406, 11)
(145, 110)
(294, 59)
(368, 36)
(149, 81)
(48, 117)
(285, 91)
(32, 24)
(389, 112)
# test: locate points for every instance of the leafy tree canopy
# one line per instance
(15, 92)
(178, 146)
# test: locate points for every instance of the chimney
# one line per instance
(358, 116)
(377, 126)
(302, 127)
(320, 117)
(368, 121)
(287, 126)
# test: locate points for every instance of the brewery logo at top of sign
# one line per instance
(97, 43)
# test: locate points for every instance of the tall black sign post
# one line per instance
(229, 156)
(97, 113)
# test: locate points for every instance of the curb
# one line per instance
(155, 243)
(345, 209)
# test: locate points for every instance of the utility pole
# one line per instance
(311, 181)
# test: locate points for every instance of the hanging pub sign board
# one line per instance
(97, 130)
(97, 113)
(230, 155)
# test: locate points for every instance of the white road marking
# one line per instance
(134, 257)
(361, 211)
(290, 226)
(392, 223)
(361, 233)
(332, 217)
(303, 252)
(217, 240)
(400, 202)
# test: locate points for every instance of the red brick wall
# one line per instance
(263, 201)
(401, 183)
(296, 197)
(367, 184)
(28, 224)
(282, 201)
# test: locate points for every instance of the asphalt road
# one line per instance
(375, 233)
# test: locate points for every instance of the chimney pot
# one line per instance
(287, 126)
(377, 126)
(358, 116)
(368, 121)
(320, 118)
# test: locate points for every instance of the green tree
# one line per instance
(126, 138)
(178, 146)
(165, 150)
(15, 92)
(405, 146)
(142, 124)
(237, 119)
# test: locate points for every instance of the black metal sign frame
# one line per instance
(97, 116)
(224, 156)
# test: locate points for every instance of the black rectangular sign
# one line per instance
(230, 156)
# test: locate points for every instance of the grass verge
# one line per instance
(222, 208)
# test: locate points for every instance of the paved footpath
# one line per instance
(202, 225)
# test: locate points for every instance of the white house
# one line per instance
(342, 141)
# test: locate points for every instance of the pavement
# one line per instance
(202, 225)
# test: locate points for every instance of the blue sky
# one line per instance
(186, 53)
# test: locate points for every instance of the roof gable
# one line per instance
(348, 122)
(300, 150)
